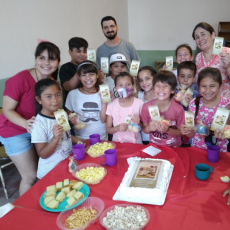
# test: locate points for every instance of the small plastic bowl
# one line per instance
(82, 166)
(104, 214)
(91, 202)
(98, 154)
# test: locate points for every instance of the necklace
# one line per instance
(36, 74)
(89, 91)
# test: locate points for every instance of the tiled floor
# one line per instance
(12, 180)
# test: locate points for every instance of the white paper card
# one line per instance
(218, 44)
(105, 64)
(169, 63)
(152, 151)
(134, 67)
(91, 55)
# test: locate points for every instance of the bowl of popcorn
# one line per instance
(90, 173)
(125, 216)
(98, 149)
(81, 217)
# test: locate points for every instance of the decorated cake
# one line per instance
(146, 181)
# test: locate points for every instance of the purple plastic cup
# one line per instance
(94, 138)
(213, 152)
(110, 157)
(79, 152)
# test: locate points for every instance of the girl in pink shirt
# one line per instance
(124, 109)
(205, 107)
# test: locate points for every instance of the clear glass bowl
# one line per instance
(104, 214)
(95, 155)
(91, 202)
(82, 166)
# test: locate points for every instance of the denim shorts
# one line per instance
(17, 144)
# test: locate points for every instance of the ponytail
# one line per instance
(197, 103)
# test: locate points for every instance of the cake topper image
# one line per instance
(62, 120)
(147, 172)
(220, 119)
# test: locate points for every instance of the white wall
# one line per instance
(165, 24)
(22, 22)
(148, 24)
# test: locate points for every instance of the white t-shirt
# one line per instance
(42, 132)
(88, 107)
(109, 80)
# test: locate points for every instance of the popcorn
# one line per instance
(91, 174)
(125, 218)
(99, 148)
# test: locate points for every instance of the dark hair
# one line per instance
(53, 52)
(123, 74)
(204, 26)
(165, 76)
(184, 46)
(108, 18)
(186, 65)
(87, 67)
(77, 43)
(152, 71)
(40, 86)
(209, 72)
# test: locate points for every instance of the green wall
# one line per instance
(148, 57)
(2, 86)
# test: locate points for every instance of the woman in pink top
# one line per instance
(18, 112)
(204, 36)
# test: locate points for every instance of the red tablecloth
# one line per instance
(190, 203)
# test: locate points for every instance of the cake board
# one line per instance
(157, 201)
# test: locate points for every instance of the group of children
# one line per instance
(114, 118)
(53, 144)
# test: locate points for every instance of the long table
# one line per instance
(190, 203)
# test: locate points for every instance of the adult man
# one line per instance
(114, 44)
(68, 72)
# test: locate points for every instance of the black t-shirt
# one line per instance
(66, 72)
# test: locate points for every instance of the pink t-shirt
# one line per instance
(119, 115)
(20, 88)
(175, 114)
(216, 63)
(206, 114)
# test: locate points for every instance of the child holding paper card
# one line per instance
(86, 102)
(160, 132)
(117, 64)
(183, 53)
(205, 107)
(145, 82)
(124, 110)
(186, 76)
(51, 142)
